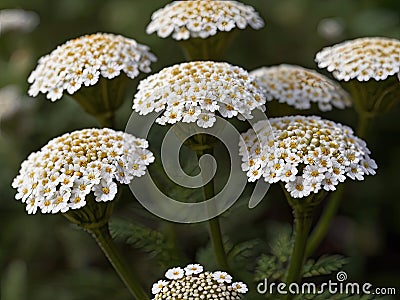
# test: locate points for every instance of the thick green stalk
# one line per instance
(211, 48)
(302, 226)
(103, 100)
(93, 218)
(169, 230)
(106, 120)
(324, 222)
(303, 210)
(363, 120)
(104, 240)
(217, 243)
(213, 224)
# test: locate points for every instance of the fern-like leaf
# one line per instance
(243, 251)
(268, 267)
(325, 265)
(273, 266)
(146, 239)
(281, 243)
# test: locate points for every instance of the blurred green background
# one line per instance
(43, 257)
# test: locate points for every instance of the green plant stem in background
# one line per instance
(213, 224)
(93, 218)
(104, 240)
(169, 230)
(324, 222)
(363, 120)
(211, 48)
(103, 100)
(217, 243)
(106, 120)
(303, 210)
(302, 225)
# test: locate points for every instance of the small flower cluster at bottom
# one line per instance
(192, 283)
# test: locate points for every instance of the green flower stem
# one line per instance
(93, 218)
(217, 243)
(363, 120)
(106, 120)
(323, 225)
(104, 240)
(211, 48)
(170, 231)
(302, 225)
(213, 224)
(303, 210)
(103, 99)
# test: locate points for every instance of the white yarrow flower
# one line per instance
(240, 287)
(362, 59)
(222, 277)
(196, 91)
(60, 176)
(175, 273)
(193, 269)
(202, 18)
(306, 153)
(158, 286)
(300, 87)
(84, 60)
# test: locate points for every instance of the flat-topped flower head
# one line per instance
(202, 18)
(307, 154)
(300, 87)
(193, 92)
(60, 176)
(362, 59)
(197, 285)
(81, 62)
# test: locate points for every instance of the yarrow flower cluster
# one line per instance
(59, 176)
(194, 91)
(81, 62)
(307, 154)
(202, 18)
(192, 283)
(300, 87)
(362, 59)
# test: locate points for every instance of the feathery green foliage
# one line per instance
(273, 265)
(325, 265)
(154, 243)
